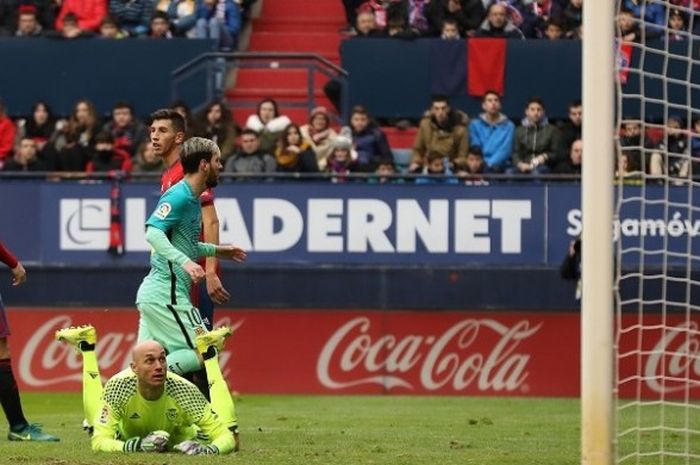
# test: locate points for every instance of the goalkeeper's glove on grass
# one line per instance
(156, 441)
(196, 448)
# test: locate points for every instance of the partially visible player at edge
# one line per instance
(167, 134)
(20, 429)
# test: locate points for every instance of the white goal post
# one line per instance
(640, 309)
(596, 243)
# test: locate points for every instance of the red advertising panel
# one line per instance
(398, 352)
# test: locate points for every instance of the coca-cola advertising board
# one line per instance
(373, 352)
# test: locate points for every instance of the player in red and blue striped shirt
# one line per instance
(20, 429)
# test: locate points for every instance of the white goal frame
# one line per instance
(597, 313)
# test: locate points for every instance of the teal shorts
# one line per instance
(173, 326)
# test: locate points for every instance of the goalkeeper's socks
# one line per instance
(221, 400)
(199, 379)
(9, 397)
(92, 383)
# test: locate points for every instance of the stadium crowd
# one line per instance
(449, 145)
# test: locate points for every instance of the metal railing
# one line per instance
(216, 66)
(87, 178)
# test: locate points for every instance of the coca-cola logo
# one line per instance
(44, 361)
(673, 364)
(455, 358)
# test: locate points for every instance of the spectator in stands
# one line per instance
(133, 16)
(631, 133)
(416, 16)
(553, 29)
(294, 153)
(470, 170)
(493, 133)
(398, 28)
(571, 129)
(695, 148)
(572, 15)
(369, 141)
(109, 29)
(8, 131)
(268, 123)
(70, 155)
(497, 24)
(351, 12)
(8, 17)
(45, 13)
(631, 139)
(340, 161)
(378, 8)
(250, 158)
(366, 26)
(127, 131)
(27, 24)
(182, 14)
(450, 30)
(71, 29)
(219, 20)
(40, 126)
(627, 27)
(385, 173)
(107, 157)
(146, 159)
(437, 170)
(320, 134)
(531, 16)
(677, 26)
(83, 123)
(88, 13)
(536, 144)
(441, 130)
(672, 152)
(215, 122)
(25, 158)
(160, 26)
(572, 163)
(181, 107)
(654, 16)
(628, 172)
(468, 14)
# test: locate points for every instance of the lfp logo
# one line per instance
(84, 224)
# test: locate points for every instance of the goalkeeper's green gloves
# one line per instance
(157, 441)
(196, 448)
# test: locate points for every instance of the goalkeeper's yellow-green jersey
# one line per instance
(180, 411)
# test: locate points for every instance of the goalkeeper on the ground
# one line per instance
(146, 409)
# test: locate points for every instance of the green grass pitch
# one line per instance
(343, 430)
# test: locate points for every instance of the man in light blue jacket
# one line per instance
(493, 132)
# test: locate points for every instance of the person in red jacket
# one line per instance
(8, 130)
(88, 12)
(20, 428)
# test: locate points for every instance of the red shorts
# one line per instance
(4, 325)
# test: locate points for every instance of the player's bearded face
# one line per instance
(214, 168)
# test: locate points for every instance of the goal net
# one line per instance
(657, 233)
